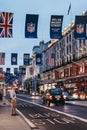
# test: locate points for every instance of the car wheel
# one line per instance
(63, 102)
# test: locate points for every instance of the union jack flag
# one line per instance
(6, 21)
(2, 58)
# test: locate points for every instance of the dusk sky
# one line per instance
(19, 44)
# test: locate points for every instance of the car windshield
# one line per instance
(57, 91)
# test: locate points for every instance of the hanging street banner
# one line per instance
(38, 59)
(2, 58)
(56, 27)
(31, 24)
(16, 71)
(14, 59)
(6, 25)
(26, 59)
(22, 70)
(80, 31)
(8, 70)
(1, 70)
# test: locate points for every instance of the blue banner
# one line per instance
(80, 31)
(38, 59)
(56, 27)
(22, 70)
(7, 70)
(14, 59)
(15, 71)
(26, 59)
(31, 24)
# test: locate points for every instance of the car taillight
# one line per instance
(50, 97)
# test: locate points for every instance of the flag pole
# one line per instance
(69, 13)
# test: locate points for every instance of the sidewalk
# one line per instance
(8, 122)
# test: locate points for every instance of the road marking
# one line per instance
(66, 114)
(38, 122)
(27, 121)
(47, 114)
(61, 122)
(31, 115)
(67, 120)
(50, 121)
(40, 115)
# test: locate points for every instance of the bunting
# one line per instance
(14, 59)
(6, 21)
(26, 59)
(80, 31)
(38, 59)
(15, 71)
(22, 70)
(7, 70)
(31, 24)
(2, 58)
(56, 27)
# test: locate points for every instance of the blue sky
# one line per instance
(19, 44)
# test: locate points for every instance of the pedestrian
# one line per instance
(13, 100)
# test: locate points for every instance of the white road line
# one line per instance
(31, 115)
(50, 121)
(61, 122)
(47, 115)
(67, 120)
(40, 115)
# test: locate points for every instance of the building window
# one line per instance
(58, 46)
(69, 48)
(67, 39)
(70, 37)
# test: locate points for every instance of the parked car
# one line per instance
(53, 95)
(67, 96)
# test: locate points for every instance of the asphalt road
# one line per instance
(46, 118)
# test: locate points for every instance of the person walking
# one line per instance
(13, 100)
